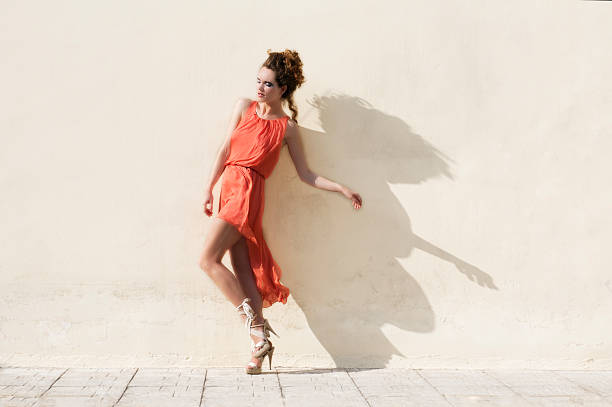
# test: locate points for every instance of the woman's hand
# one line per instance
(353, 196)
(208, 202)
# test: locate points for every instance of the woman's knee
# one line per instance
(208, 263)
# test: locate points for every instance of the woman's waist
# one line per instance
(246, 166)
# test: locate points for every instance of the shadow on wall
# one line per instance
(340, 264)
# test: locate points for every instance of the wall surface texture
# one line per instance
(477, 133)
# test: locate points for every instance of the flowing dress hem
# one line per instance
(279, 293)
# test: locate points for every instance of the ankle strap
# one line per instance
(258, 332)
(246, 310)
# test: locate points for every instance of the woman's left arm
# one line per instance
(296, 151)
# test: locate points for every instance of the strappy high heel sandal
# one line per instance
(266, 348)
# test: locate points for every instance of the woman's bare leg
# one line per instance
(220, 238)
(239, 255)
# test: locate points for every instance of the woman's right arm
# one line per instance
(219, 164)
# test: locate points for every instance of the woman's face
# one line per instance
(267, 89)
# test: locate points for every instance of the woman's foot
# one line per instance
(260, 346)
(258, 328)
(255, 323)
(255, 365)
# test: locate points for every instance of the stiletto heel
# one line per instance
(270, 352)
(267, 328)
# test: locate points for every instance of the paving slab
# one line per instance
(537, 383)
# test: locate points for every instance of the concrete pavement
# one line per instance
(289, 387)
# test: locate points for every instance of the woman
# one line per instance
(256, 133)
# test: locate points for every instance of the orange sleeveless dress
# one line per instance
(255, 146)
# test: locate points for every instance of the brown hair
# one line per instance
(287, 66)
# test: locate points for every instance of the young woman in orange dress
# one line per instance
(257, 131)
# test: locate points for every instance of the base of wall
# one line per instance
(292, 361)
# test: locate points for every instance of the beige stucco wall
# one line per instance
(478, 134)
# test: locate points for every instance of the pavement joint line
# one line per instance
(511, 389)
(126, 387)
(280, 387)
(418, 371)
(54, 381)
(357, 387)
(556, 372)
(203, 386)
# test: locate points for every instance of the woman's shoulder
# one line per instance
(291, 130)
(244, 102)
(242, 105)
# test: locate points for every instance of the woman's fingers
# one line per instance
(207, 208)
